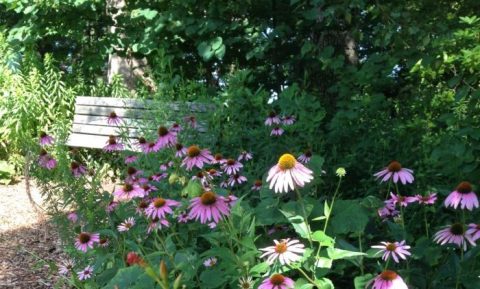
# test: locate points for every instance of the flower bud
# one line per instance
(341, 172)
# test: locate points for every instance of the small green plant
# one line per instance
(7, 171)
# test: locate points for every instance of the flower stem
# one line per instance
(300, 199)
(425, 221)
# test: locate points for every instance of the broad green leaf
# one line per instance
(360, 282)
(323, 239)
(298, 224)
(336, 253)
(348, 216)
(324, 262)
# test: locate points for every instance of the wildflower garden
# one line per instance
(339, 146)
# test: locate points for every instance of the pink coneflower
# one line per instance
(175, 128)
(85, 273)
(236, 179)
(277, 281)
(287, 174)
(181, 151)
(463, 196)
(474, 231)
(151, 147)
(132, 174)
(158, 177)
(305, 157)
(46, 161)
(77, 169)
(130, 159)
(388, 280)
(454, 234)
(210, 262)
(66, 267)
(103, 242)
(142, 206)
(277, 131)
(114, 119)
(394, 250)
(204, 178)
(218, 159)
(212, 225)
(126, 225)
(111, 206)
(429, 199)
(401, 200)
(257, 185)
(395, 172)
(285, 251)
(245, 282)
(159, 207)
(272, 119)
(147, 188)
(191, 121)
(231, 200)
(72, 217)
(289, 120)
(113, 145)
(388, 211)
(157, 224)
(45, 139)
(245, 156)
(86, 240)
(208, 207)
(214, 173)
(166, 138)
(232, 166)
(165, 166)
(142, 144)
(196, 157)
(129, 191)
(183, 218)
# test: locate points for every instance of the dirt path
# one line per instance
(26, 241)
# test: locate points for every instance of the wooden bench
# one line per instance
(139, 118)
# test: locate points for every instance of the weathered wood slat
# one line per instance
(95, 141)
(109, 130)
(121, 112)
(103, 120)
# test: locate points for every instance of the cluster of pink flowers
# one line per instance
(46, 160)
(274, 120)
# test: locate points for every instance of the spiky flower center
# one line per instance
(143, 205)
(230, 162)
(258, 183)
(131, 170)
(308, 153)
(200, 175)
(179, 146)
(208, 198)
(84, 238)
(277, 279)
(142, 140)
(112, 140)
(218, 157)
(151, 144)
(103, 241)
(272, 114)
(391, 247)
(388, 275)
(162, 131)
(113, 114)
(159, 202)
(464, 187)
(193, 151)
(43, 134)
(43, 152)
(128, 224)
(212, 171)
(394, 166)
(74, 165)
(457, 229)
(127, 187)
(286, 162)
(281, 248)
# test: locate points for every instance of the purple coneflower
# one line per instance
(166, 138)
(86, 240)
(429, 199)
(245, 156)
(232, 166)
(147, 188)
(85, 273)
(114, 119)
(45, 139)
(46, 161)
(196, 157)
(454, 234)
(289, 120)
(176, 128)
(218, 159)
(126, 225)
(236, 179)
(388, 280)
(388, 211)
(142, 206)
(157, 224)
(77, 169)
(111, 206)
(394, 249)
(463, 196)
(103, 242)
(191, 121)
(209, 206)
(214, 173)
(130, 159)
(277, 281)
(72, 217)
(159, 207)
(113, 145)
(129, 191)
(181, 151)
(257, 185)
(474, 231)
(285, 251)
(245, 282)
(272, 119)
(305, 157)
(142, 144)
(401, 200)
(183, 218)
(288, 174)
(210, 262)
(395, 172)
(277, 131)
(158, 177)
(66, 267)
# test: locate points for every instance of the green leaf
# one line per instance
(324, 262)
(349, 216)
(125, 278)
(337, 254)
(360, 282)
(148, 14)
(298, 224)
(324, 283)
(213, 278)
(323, 239)
(259, 269)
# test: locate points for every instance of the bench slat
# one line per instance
(121, 112)
(109, 130)
(102, 120)
(95, 141)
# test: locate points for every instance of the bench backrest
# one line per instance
(90, 123)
